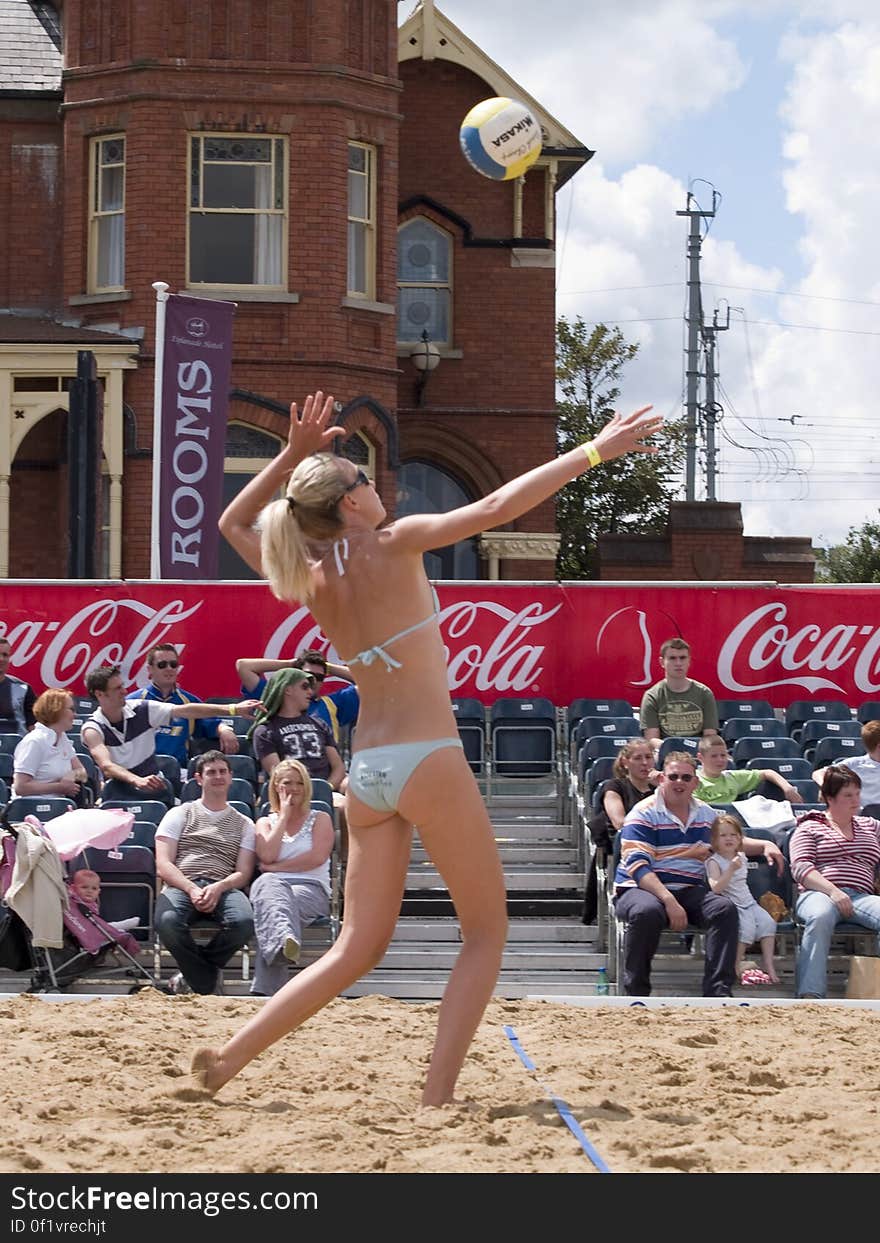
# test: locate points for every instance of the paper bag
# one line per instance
(864, 977)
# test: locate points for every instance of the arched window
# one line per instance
(423, 488)
(424, 279)
(358, 449)
(248, 450)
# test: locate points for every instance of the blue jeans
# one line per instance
(820, 917)
(175, 915)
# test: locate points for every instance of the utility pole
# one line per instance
(695, 324)
(711, 409)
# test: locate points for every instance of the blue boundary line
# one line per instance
(564, 1111)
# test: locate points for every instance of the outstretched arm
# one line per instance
(623, 434)
(309, 433)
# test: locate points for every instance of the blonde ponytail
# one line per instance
(308, 512)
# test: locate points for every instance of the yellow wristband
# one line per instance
(232, 709)
(591, 453)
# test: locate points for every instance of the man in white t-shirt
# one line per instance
(205, 854)
(867, 766)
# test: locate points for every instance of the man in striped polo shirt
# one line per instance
(121, 735)
(661, 880)
(205, 854)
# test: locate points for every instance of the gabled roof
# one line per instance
(44, 330)
(427, 34)
(30, 53)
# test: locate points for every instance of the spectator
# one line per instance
(286, 730)
(181, 736)
(121, 735)
(867, 766)
(834, 858)
(715, 785)
(677, 706)
(338, 709)
(16, 697)
(45, 761)
(205, 853)
(631, 783)
(661, 880)
(726, 869)
(294, 844)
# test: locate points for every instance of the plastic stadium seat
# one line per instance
(122, 790)
(8, 742)
(871, 809)
(523, 733)
(470, 717)
(805, 786)
(795, 769)
(4, 791)
(246, 809)
(728, 708)
(602, 746)
(869, 711)
(601, 771)
(817, 728)
(746, 749)
(830, 750)
(95, 781)
(730, 809)
(752, 727)
(142, 809)
(43, 806)
(143, 833)
(170, 770)
(610, 726)
(580, 708)
(802, 710)
(762, 877)
(6, 767)
(688, 745)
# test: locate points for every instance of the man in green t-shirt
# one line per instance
(677, 707)
(715, 785)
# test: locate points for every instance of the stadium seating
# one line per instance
(580, 708)
(142, 809)
(728, 708)
(746, 749)
(470, 718)
(794, 769)
(6, 767)
(689, 745)
(8, 742)
(128, 883)
(239, 789)
(523, 737)
(802, 710)
(44, 806)
(170, 770)
(830, 750)
(819, 728)
(752, 727)
(868, 711)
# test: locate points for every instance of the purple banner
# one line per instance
(195, 395)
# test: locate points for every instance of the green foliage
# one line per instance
(629, 494)
(856, 561)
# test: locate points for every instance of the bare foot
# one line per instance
(774, 978)
(207, 1070)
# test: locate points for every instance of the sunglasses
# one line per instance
(318, 677)
(361, 478)
(685, 777)
(167, 664)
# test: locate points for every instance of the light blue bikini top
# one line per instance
(378, 652)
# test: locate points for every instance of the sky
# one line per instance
(776, 105)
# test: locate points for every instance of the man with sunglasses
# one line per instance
(181, 736)
(338, 709)
(661, 880)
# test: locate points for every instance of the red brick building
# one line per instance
(301, 160)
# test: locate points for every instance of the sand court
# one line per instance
(103, 1086)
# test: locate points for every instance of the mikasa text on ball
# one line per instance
(500, 138)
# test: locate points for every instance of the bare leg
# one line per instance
(740, 955)
(768, 945)
(442, 799)
(377, 863)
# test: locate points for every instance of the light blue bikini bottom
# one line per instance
(378, 774)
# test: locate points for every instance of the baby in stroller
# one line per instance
(85, 888)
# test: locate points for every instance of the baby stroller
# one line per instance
(57, 940)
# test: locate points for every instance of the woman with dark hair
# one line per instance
(834, 859)
(327, 543)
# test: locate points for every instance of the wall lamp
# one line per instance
(425, 359)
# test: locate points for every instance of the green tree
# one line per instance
(856, 561)
(629, 494)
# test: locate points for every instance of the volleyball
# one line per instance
(500, 138)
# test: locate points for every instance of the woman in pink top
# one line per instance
(834, 859)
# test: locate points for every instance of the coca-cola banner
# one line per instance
(196, 368)
(513, 639)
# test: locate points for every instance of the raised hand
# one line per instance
(626, 433)
(309, 432)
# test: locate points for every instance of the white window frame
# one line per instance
(363, 226)
(446, 341)
(100, 217)
(279, 142)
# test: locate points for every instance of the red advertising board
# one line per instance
(779, 643)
